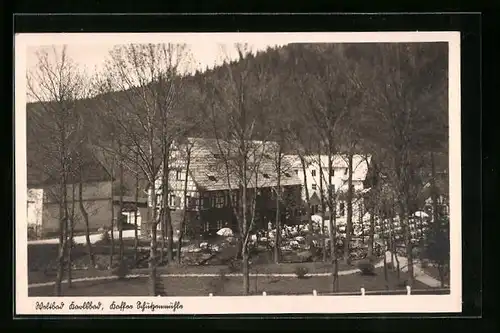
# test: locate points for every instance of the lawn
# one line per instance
(42, 262)
(284, 268)
(231, 286)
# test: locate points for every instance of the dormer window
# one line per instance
(212, 178)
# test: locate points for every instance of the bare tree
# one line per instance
(187, 154)
(235, 128)
(147, 76)
(406, 83)
(56, 85)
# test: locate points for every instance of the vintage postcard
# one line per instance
(233, 173)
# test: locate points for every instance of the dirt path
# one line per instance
(420, 275)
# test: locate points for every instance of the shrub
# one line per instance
(301, 272)
(366, 267)
(121, 271)
(105, 237)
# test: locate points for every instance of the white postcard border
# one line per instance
(249, 304)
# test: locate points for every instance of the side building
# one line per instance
(100, 198)
(317, 180)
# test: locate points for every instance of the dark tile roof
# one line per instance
(209, 172)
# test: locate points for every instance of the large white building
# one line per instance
(317, 179)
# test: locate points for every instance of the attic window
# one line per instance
(212, 178)
(287, 174)
(266, 175)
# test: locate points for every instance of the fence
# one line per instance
(362, 292)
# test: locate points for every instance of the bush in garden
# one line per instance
(366, 267)
(105, 237)
(301, 272)
(122, 270)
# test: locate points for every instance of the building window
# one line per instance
(179, 175)
(173, 202)
(206, 202)
(342, 209)
(206, 226)
(297, 172)
(219, 200)
(314, 186)
(220, 224)
(333, 172)
(313, 173)
(345, 171)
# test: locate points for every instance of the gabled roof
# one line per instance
(208, 168)
(360, 163)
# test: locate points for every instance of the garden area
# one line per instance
(210, 266)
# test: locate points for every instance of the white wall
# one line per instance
(35, 207)
(339, 179)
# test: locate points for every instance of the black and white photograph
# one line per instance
(206, 173)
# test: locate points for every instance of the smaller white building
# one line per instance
(316, 180)
(35, 209)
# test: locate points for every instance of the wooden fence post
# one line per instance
(315, 293)
(264, 293)
(210, 294)
(362, 291)
(408, 290)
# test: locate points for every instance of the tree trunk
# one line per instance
(70, 237)
(120, 213)
(163, 225)
(308, 206)
(152, 254)
(167, 230)
(408, 244)
(63, 213)
(371, 236)
(277, 235)
(112, 226)
(170, 237)
(323, 206)
(136, 199)
(333, 221)
(347, 253)
(186, 205)
(61, 255)
(85, 216)
(245, 269)
(386, 278)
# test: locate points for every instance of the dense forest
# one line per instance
(388, 100)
